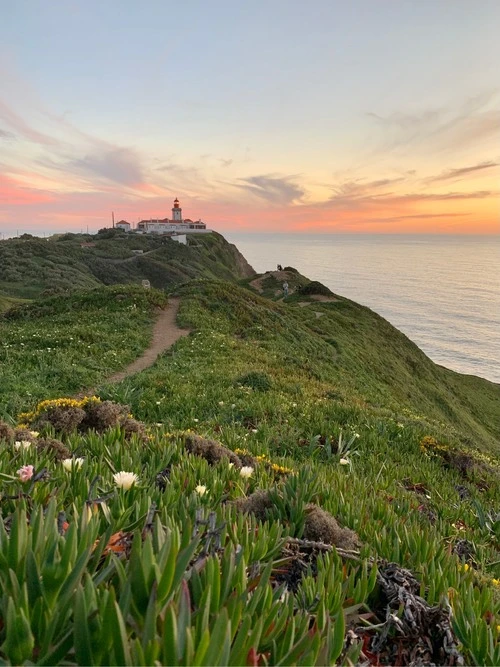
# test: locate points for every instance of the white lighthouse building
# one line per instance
(176, 211)
(177, 224)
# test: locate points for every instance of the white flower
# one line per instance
(230, 464)
(233, 406)
(246, 472)
(24, 444)
(344, 462)
(124, 480)
(34, 434)
(201, 490)
(254, 430)
(221, 402)
(69, 464)
(196, 420)
(356, 435)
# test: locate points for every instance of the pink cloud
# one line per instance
(13, 193)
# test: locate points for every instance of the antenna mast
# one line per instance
(113, 217)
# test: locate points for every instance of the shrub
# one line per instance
(314, 287)
(257, 380)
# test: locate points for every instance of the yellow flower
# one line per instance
(496, 582)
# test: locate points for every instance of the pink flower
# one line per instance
(25, 473)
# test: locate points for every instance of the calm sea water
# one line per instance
(443, 292)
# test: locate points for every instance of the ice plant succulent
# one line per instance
(25, 473)
(246, 472)
(124, 480)
(23, 444)
(70, 464)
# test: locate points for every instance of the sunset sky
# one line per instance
(319, 116)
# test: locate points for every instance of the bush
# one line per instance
(314, 287)
(256, 380)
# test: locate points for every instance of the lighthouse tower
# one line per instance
(176, 211)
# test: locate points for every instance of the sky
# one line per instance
(376, 116)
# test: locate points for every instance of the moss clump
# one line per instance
(320, 526)
(210, 450)
(101, 415)
(23, 434)
(314, 287)
(63, 419)
(257, 380)
(132, 427)
(6, 432)
(54, 447)
(259, 504)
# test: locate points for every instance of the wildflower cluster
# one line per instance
(52, 403)
(266, 461)
(431, 447)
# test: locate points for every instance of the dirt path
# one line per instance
(165, 334)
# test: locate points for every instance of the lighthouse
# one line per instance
(176, 211)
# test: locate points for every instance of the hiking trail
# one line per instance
(166, 332)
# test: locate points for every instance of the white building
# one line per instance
(123, 224)
(176, 224)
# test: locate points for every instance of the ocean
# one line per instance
(443, 292)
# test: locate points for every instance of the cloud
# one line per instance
(462, 171)
(361, 195)
(272, 189)
(12, 193)
(401, 218)
(431, 196)
(115, 163)
(15, 121)
(446, 128)
(6, 135)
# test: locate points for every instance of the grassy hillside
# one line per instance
(32, 267)
(7, 302)
(59, 345)
(340, 423)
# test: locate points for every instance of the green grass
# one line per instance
(350, 358)
(33, 267)
(368, 423)
(65, 344)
